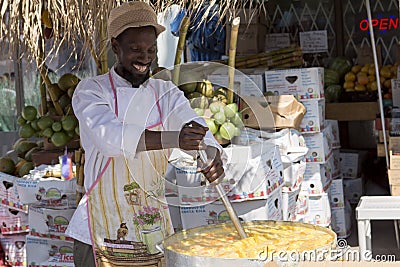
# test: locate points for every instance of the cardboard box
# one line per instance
(289, 200)
(341, 221)
(317, 178)
(175, 213)
(272, 112)
(49, 252)
(380, 150)
(305, 83)
(13, 221)
(250, 39)
(49, 192)
(9, 193)
(334, 162)
(394, 143)
(302, 205)
(14, 247)
(252, 172)
(293, 174)
(319, 211)
(49, 223)
(314, 119)
(250, 210)
(336, 194)
(319, 147)
(394, 160)
(353, 189)
(394, 181)
(351, 162)
(255, 80)
(380, 136)
(333, 132)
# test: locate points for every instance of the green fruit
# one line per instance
(56, 126)
(211, 125)
(7, 165)
(230, 110)
(227, 130)
(70, 134)
(219, 118)
(24, 146)
(237, 131)
(269, 93)
(205, 88)
(216, 107)
(59, 139)
(21, 121)
(56, 91)
(64, 101)
(69, 123)
(187, 82)
(34, 125)
(48, 132)
(193, 95)
(237, 120)
(199, 102)
(77, 130)
(16, 144)
(29, 113)
(26, 131)
(71, 91)
(67, 80)
(25, 168)
(45, 122)
(199, 111)
(28, 155)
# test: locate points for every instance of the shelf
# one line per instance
(356, 111)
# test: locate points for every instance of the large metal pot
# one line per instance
(175, 259)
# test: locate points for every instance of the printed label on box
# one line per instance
(336, 194)
(213, 213)
(319, 147)
(306, 83)
(333, 132)
(49, 223)
(49, 252)
(314, 119)
(319, 211)
(13, 221)
(289, 200)
(49, 192)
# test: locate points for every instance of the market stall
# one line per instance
(274, 83)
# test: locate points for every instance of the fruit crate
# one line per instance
(73, 144)
(49, 157)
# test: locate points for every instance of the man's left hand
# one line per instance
(213, 168)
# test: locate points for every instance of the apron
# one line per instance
(128, 214)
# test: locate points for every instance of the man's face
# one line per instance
(135, 49)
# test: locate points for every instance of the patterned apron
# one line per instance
(127, 208)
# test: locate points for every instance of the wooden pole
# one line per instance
(232, 56)
(181, 45)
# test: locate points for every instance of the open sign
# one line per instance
(383, 24)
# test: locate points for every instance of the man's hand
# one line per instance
(191, 136)
(213, 168)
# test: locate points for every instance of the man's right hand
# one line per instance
(191, 136)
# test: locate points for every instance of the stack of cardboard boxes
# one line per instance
(34, 214)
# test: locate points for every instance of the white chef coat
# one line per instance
(102, 132)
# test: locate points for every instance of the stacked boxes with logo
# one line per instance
(51, 203)
(308, 87)
(253, 183)
(340, 207)
(14, 222)
(394, 171)
(351, 169)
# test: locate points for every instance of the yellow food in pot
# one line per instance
(225, 242)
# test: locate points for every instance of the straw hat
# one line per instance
(132, 15)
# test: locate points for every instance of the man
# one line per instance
(126, 122)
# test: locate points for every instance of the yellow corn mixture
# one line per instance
(225, 242)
